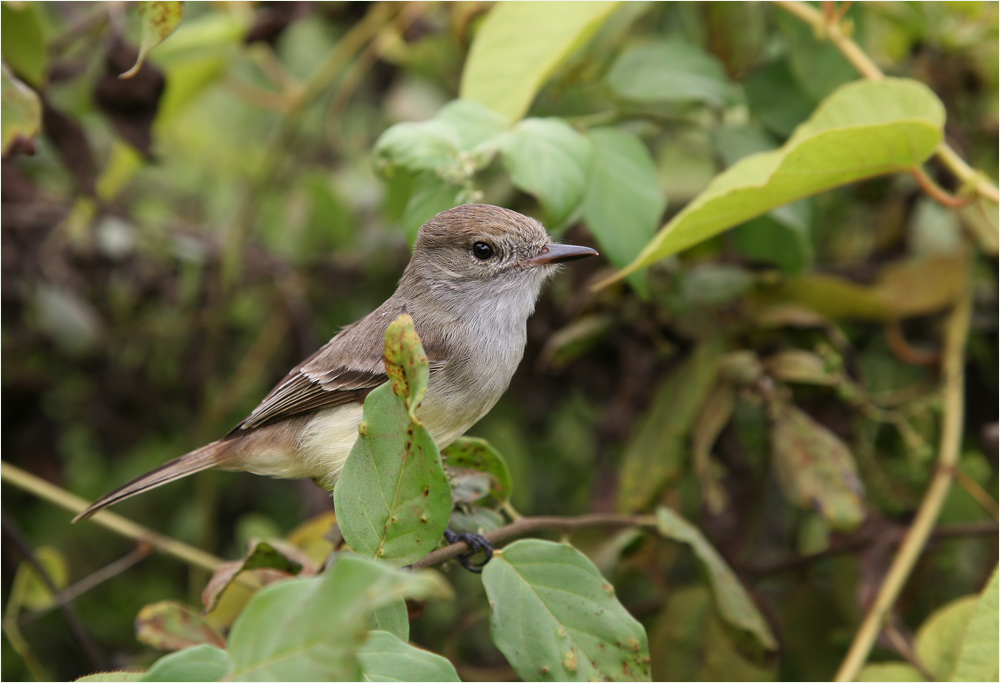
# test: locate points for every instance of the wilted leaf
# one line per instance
(310, 629)
(556, 618)
(269, 560)
(71, 143)
(804, 367)
(158, 19)
(22, 111)
(547, 158)
(476, 454)
(33, 592)
(172, 625)
(393, 500)
(715, 415)
(575, 339)
(735, 605)
(815, 469)
(518, 47)
(624, 201)
(311, 537)
(670, 70)
(862, 130)
(384, 657)
(659, 448)
(978, 656)
(690, 643)
(199, 663)
(904, 289)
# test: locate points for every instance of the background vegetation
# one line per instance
(800, 364)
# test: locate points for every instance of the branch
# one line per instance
(528, 524)
(967, 176)
(109, 520)
(956, 334)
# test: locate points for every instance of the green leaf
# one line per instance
(21, 110)
(818, 65)
(35, 593)
(384, 657)
(114, 676)
(556, 618)
(889, 672)
(735, 605)
(158, 20)
(939, 638)
(518, 47)
(429, 196)
(782, 237)
(862, 130)
(172, 625)
(311, 629)
(776, 99)
(392, 617)
(815, 469)
(624, 202)
(978, 658)
(199, 663)
(393, 500)
(670, 71)
(547, 158)
(476, 454)
(691, 643)
(23, 42)
(659, 449)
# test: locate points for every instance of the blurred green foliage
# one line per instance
(174, 242)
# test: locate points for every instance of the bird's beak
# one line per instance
(559, 253)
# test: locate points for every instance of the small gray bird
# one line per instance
(472, 282)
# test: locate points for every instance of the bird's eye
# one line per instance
(482, 251)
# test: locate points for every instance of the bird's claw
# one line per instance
(477, 544)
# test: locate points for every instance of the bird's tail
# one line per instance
(204, 458)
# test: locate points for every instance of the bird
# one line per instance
(471, 284)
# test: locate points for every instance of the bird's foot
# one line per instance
(477, 544)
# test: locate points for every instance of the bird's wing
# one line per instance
(345, 370)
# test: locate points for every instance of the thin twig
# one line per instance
(938, 193)
(528, 524)
(980, 494)
(956, 334)
(109, 571)
(109, 520)
(81, 634)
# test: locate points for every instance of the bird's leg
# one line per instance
(477, 544)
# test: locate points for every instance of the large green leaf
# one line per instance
(384, 657)
(815, 468)
(556, 618)
(659, 449)
(199, 663)
(21, 111)
(978, 658)
(393, 500)
(624, 201)
(735, 605)
(670, 71)
(23, 41)
(550, 160)
(520, 45)
(939, 638)
(864, 129)
(311, 629)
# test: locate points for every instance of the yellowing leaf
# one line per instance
(158, 19)
(22, 111)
